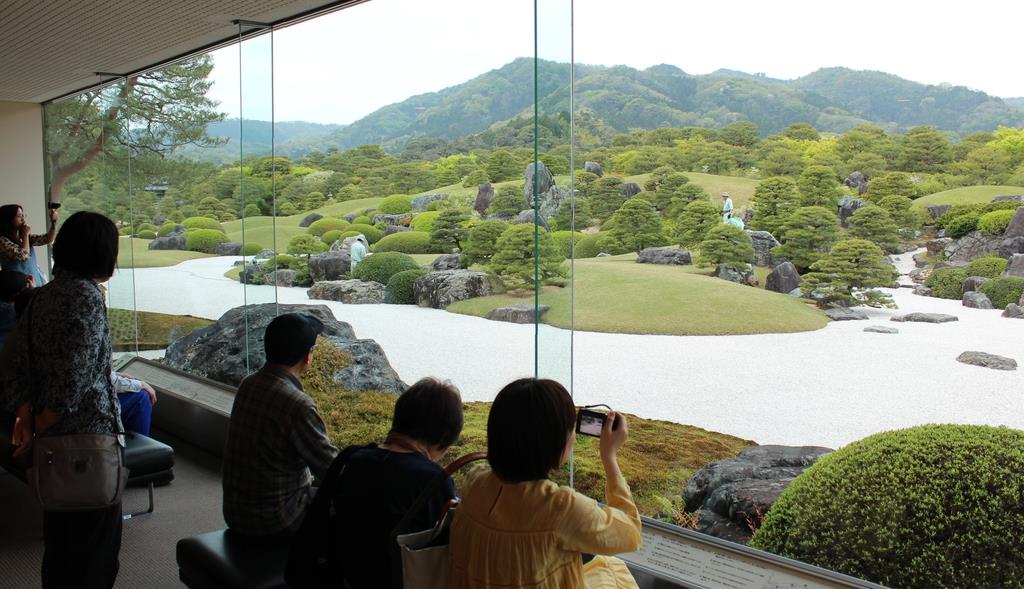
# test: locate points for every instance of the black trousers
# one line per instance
(81, 548)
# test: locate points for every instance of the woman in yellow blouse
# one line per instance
(515, 527)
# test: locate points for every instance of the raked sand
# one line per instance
(826, 387)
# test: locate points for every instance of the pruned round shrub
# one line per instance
(399, 290)
(987, 266)
(321, 226)
(482, 241)
(995, 223)
(1003, 291)
(146, 227)
(408, 242)
(424, 221)
(331, 236)
(346, 234)
(396, 204)
(250, 248)
(947, 283)
(166, 229)
(373, 235)
(204, 240)
(202, 223)
(126, 230)
(363, 220)
(962, 225)
(933, 506)
(381, 267)
(146, 234)
(306, 244)
(282, 261)
(564, 240)
(586, 247)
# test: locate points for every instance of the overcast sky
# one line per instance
(343, 66)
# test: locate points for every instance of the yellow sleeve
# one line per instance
(588, 527)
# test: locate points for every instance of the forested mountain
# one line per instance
(1017, 101)
(290, 138)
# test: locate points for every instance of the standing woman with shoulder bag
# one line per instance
(63, 360)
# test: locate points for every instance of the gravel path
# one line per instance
(826, 387)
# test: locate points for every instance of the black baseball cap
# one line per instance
(290, 336)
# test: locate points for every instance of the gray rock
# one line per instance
(731, 497)
(738, 275)
(905, 247)
(603, 255)
(265, 254)
(1010, 246)
(350, 217)
(844, 314)
(218, 351)
(344, 245)
(351, 292)
(169, 242)
(446, 262)
(796, 292)
(1015, 266)
(1014, 311)
(484, 196)
(392, 219)
(1016, 226)
(846, 208)
(420, 202)
(937, 246)
(973, 245)
(392, 229)
(527, 217)
(936, 211)
(763, 243)
(986, 360)
(310, 219)
(330, 265)
(880, 329)
(539, 174)
(440, 289)
(920, 260)
(783, 278)
(594, 168)
(630, 189)
(919, 275)
(857, 180)
(922, 290)
(283, 277)
(748, 215)
(1008, 197)
(941, 265)
(523, 313)
(925, 318)
(972, 283)
(664, 255)
(229, 249)
(252, 274)
(977, 300)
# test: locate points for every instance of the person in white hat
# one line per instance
(726, 207)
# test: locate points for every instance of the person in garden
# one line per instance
(358, 251)
(726, 207)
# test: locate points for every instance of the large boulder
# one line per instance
(446, 262)
(351, 292)
(528, 216)
(936, 211)
(763, 243)
(846, 208)
(1010, 246)
(986, 360)
(977, 300)
(522, 313)
(731, 497)
(420, 202)
(232, 248)
(924, 318)
(484, 196)
(844, 314)
(402, 219)
(630, 189)
(937, 246)
(283, 277)
(330, 265)
(310, 219)
(1016, 226)
(972, 283)
(857, 180)
(392, 229)
(1015, 266)
(1008, 197)
(169, 242)
(742, 275)
(539, 174)
(1014, 311)
(218, 351)
(440, 289)
(594, 168)
(783, 278)
(973, 245)
(664, 255)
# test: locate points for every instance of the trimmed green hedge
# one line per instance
(564, 240)
(202, 223)
(962, 225)
(166, 229)
(424, 221)
(399, 290)
(251, 248)
(321, 226)
(373, 235)
(586, 247)
(331, 236)
(363, 220)
(396, 204)
(1003, 291)
(934, 506)
(947, 283)
(381, 267)
(146, 234)
(995, 223)
(408, 242)
(987, 266)
(204, 240)
(127, 230)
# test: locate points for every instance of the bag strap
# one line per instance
(431, 487)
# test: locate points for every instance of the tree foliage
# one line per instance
(873, 223)
(807, 235)
(728, 245)
(849, 274)
(774, 200)
(514, 255)
(637, 225)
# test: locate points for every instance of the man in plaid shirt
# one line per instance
(276, 436)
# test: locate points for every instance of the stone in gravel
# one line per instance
(351, 292)
(972, 283)
(880, 329)
(664, 255)
(919, 275)
(169, 242)
(922, 290)
(783, 278)
(1015, 266)
(310, 219)
(440, 289)
(523, 313)
(844, 314)
(446, 262)
(986, 360)
(925, 318)
(1014, 311)
(977, 300)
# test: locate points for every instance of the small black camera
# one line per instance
(53, 206)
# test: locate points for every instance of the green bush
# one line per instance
(204, 240)
(608, 242)
(363, 220)
(373, 235)
(1003, 291)
(424, 221)
(516, 257)
(987, 266)
(146, 234)
(127, 230)
(331, 236)
(586, 247)
(726, 244)
(947, 283)
(381, 267)
(957, 227)
(995, 223)
(146, 227)
(482, 241)
(399, 289)
(408, 242)
(282, 261)
(346, 234)
(251, 249)
(565, 240)
(166, 229)
(933, 506)
(202, 223)
(395, 205)
(321, 226)
(306, 244)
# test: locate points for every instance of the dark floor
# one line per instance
(189, 505)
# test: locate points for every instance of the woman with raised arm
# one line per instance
(17, 246)
(517, 528)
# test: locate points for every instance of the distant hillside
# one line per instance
(290, 138)
(1018, 101)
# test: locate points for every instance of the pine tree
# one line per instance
(874, 224)
(695, 221)
(683, 196)
(605, 197)
(508, 202)
(819, 187)
(907, 220)
(774, 199)
(482, 241)
(514, 255)
(726, 244)
(448, 232)
(848, 274)
(807, 235)
(637, 225)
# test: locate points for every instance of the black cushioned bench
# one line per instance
(225, 560)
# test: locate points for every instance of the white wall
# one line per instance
(21, 164)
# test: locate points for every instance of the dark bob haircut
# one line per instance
(86, 245)
(7, 215)
(430, 412)
(527, 429)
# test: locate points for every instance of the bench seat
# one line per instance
(226, 560)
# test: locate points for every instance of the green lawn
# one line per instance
(135, 253)
(617, 295)
(965, 195)
(264, 230)
(155, 330)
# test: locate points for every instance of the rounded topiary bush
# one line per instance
(321, 226)
(399, 289)
(373, 235)
(395, 205)
(146, 234)
(962, 225)
(204, 240)
(146, 227)
(1003, 291)
(202, 223)
(586, 247)
(409, 242)
(987, 266)
(363, 220)
(166, 229)
(995, 223)
(565, 240)
(934, 506)
(947, 283)
(381, 267)
(127, 230)
(424, 221)
(331, 236)
(251, 249)
(346, 234)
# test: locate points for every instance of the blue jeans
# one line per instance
(136, 411)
